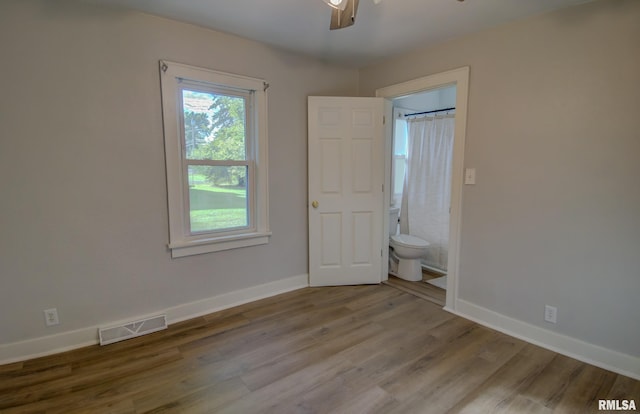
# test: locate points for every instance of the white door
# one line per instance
(346, 173)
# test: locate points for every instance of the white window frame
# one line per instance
(396, 193)
(182, 241)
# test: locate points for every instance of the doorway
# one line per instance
(422, 151)
(460, 79)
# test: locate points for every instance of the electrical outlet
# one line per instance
(51, 317)
(550, 314)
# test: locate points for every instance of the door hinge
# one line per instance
(384, 120)
(380, 252)
(383, 188)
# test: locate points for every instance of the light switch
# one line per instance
(470, 176)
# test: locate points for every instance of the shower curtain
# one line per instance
(426, 195)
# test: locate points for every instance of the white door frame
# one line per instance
(460, 78)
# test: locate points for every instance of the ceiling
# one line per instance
(380, 31)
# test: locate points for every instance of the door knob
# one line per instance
(315, 204)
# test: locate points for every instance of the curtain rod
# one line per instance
(431, 112)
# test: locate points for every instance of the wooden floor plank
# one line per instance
(352, 349)
(550, 385)
(289, 363)
(421, 288)
(201, 400)
(512, 379)
(287, 394)
(582, 394)
(624, 388)
(445, 393)
(13, 367)
(373, 400)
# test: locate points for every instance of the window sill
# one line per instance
(190, 248)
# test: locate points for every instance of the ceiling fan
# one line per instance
(343, 13)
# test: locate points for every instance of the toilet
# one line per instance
(408, 249)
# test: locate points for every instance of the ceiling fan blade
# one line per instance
(344, 18)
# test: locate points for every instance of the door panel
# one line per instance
(362, 238)
(345, 180)
(331, 249)
(330, 168)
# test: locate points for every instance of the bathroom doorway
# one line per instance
(421, 158)
(431, 93)
(421, 169)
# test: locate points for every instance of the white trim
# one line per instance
(617, 362)
(389, 123)
(66, 341)
(238, 297)
(181, 249)
(460, 78)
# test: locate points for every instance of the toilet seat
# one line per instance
(407, 240)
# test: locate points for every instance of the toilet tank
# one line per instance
(393, 220)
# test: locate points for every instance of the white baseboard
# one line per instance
(617, 362)
(66, 341)
(235, 298)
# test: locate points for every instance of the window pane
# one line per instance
(217, 197)
(400, 138)
(399, 168)
(214, 126)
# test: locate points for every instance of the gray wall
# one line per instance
(554, 133)
(83, 211)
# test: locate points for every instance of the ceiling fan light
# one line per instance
(337, 4)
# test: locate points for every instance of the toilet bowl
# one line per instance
(408, 249)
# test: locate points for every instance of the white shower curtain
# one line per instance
(427, 187)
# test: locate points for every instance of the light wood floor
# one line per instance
(420, 289)
(358, 349)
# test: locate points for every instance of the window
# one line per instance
(216, 154)
(399, 161)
